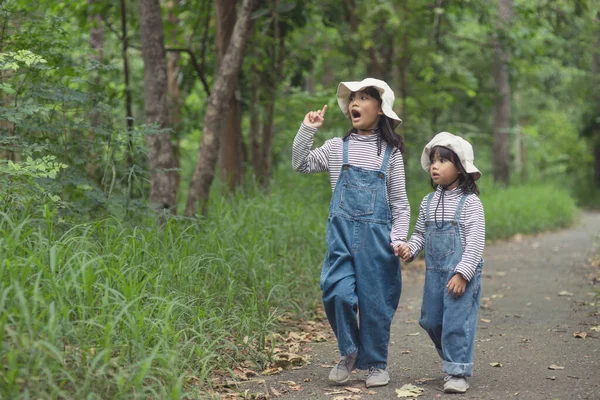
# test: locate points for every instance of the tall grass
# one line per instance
(112, 309)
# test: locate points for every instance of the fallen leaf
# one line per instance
(413, 334)
(331, 392)
(352, 389)
(565, 293)
(326, 366)
(595, 328)
(580, 334)
(485, 320)
(551, 378)
(496, 364)
(275, 392)
(346, 398)
(554, 366)
(409, 390)
(272, 371)
(421, 381)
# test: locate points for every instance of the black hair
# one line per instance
(385, 126)
(466, 182)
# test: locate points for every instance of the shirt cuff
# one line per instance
(465, 271)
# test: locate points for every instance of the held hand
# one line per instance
(457, 285)
(315, 119)
(403, 251)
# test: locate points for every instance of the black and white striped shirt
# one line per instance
(362, 152)
(471, 223)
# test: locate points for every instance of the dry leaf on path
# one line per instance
(353, 389)
(580, 334)
(413, 334)
(496, 364)
(347, 397)
(409, 390)
(595, 328)
(554, 367)
(565, 293)
(272, 371)
(421, 381)
(485, 320)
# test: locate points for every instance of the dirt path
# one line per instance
(535, 296)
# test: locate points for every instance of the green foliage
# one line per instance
(104, 308)
(526, 209)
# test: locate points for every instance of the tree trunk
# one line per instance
(128, 107)
(231, 131)
(163, 184)
(501, 132)
(96, 53)
(596, 124)
(215, 113)
(175, 102)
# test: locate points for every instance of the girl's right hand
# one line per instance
(315, 119)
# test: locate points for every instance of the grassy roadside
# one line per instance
(109, 309)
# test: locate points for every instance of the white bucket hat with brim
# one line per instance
(345, 89)
(460, 146)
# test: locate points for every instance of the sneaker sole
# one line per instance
(339, 382)
(455, 390)
(377, 384)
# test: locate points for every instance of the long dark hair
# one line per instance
(385, 127)
(466, 182)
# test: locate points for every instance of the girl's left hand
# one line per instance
(457, 285)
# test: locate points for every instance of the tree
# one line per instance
(218, 101)
(163, 183)
(231, 148)
(501, 146)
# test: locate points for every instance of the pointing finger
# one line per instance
(323, 110)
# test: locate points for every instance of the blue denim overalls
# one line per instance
(450, 322)
(360, 271)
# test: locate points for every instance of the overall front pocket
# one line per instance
(357, 200)
(441, 245)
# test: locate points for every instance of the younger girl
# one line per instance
(451, 228)
(368, 209)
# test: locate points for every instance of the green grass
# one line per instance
(526, 209)
(113, 309)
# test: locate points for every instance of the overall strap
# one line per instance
(429, 198)
(386, 158)
(345, 151)
(459, 207)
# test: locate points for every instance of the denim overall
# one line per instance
(360, 271)
(450, 322)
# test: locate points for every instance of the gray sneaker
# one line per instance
(377, 377)
(455, 384)
(341, 372)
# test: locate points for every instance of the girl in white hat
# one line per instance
(451, 228)
(368, 209)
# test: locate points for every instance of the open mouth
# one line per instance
(355, 114)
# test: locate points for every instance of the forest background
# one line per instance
(153, 232)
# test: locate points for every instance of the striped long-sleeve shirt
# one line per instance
(471, 223)
(362, 152)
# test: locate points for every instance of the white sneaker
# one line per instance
(341, 372)
(455, 384)
(377, 377)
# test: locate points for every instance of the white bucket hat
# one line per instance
(460, 146)
(387, 96)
